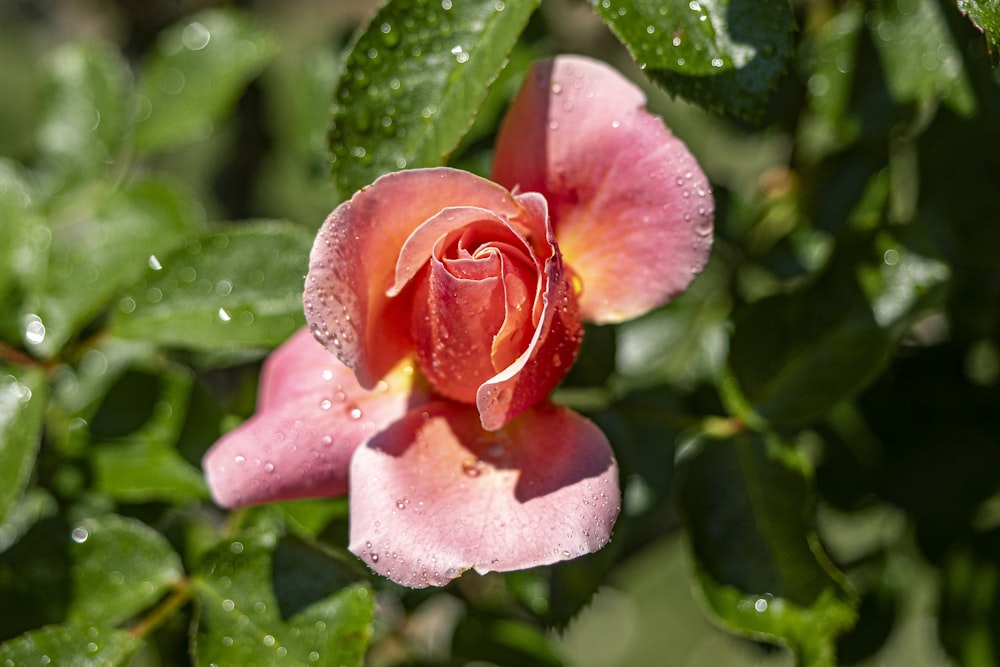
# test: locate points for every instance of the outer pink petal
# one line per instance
(353, 262)
(435, 495)
(632, 210)
(311, 416)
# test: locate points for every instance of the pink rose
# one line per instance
(452, 306)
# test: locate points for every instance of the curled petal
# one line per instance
(352, 267)
(311, 416)
(435, 495)
(551, 352)
(631, 208)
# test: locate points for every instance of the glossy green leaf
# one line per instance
(71, 645)
(234, 289)
(84, 106)
(747, 506)
(241, 620)
(985, 15)
(121, 567)
(100, 243)
(922, 63)
(725, 55)
(797, 354)
(194, 76)
(22, 412)
(413, 82)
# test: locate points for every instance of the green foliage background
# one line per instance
(809, 438)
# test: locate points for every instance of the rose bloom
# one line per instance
(443, 308)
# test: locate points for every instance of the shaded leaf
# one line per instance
(72, 645)
(240, 620)
(100, 243)
(120, 567)
(747, 506)
(921, 61)
(35, 583)
(23, 394)
(985, 15)
(725, 55)
(234, 289)
(796, 355)
(195, 75)
(413, 82)
(84, 106)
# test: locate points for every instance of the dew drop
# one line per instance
(355, 413)
(224, 315)
(34, 329)
(80, 534)
(154, 263)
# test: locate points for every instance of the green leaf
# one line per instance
(724, 55)
(413, 82)
(235, 289)
(83, 106)
(21, 243)
(146, 471)
(831, 60)
(985, 15)
(796, 355)
(71, 645)
(683, 343)
(147, 411)
(22, 413)
(121, 567)
(195, 75)
(921, 60)
(101, 242)
(748, 509)
(240, 620)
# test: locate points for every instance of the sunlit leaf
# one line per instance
(726, 55)
(922, 63)
(226, 290)
(145, 471)
(241, 620)
(84, 106)
(747, 506)
(985, 15)
(22, 411)
(121, 567)
(413, 82)
(72, 645)
(194, 76)
(99, 244)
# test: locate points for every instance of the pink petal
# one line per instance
(545, 362)
(353, 262)
(631, 208)
(311, 416)
(435, 495)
